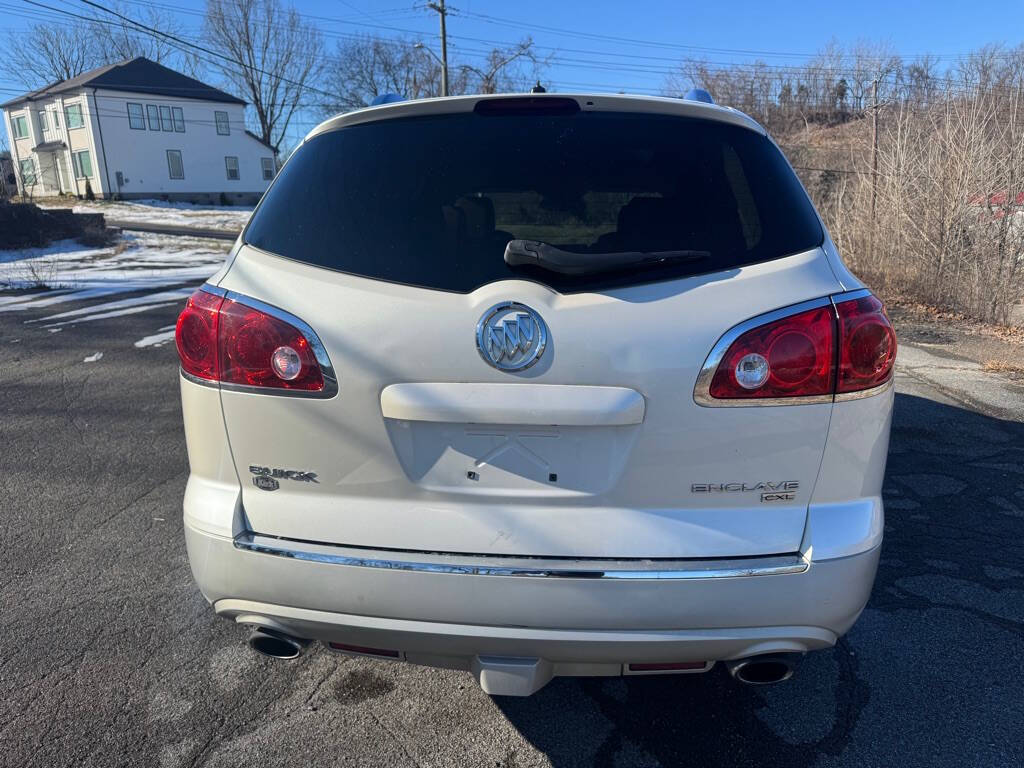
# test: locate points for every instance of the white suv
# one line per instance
(535, 386)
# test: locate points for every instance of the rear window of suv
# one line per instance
(433, 201)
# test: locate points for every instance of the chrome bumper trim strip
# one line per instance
(774, 565)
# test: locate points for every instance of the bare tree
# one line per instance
(113, 39)
(272, 58)
(941, 220)
(368, 67)
(504, 69)
(48, 54)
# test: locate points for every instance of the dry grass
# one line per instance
(1002, 366)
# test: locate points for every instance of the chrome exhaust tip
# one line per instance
(763, 670)
(276, 645)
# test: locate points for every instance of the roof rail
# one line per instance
(699, 94)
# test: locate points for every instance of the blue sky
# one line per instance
(606, 46)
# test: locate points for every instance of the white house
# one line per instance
(136, 130)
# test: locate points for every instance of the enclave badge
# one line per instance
(783, 490)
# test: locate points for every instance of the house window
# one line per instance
(223, 126)
(179, 119)
(20, 125)
(268, 168)
(56, 119)
(136, 117)
(153, 113)
(166, 123)
(82, 164)
(74, 115)
(28, 172)
(231, 163)
(42, 122)
(174, 164)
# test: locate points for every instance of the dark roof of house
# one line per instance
(261, 141)
(138, 75)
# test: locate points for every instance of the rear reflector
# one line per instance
(668, 667)
(364, 650)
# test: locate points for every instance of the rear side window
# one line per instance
(433, 201)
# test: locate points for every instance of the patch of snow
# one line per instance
(158, 339)
(139, 262)
(56, 330)
(93, 357)
(135, 301)
(114, 313)
(230, 218)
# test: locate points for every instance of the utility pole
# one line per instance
(874, 147)
(442, 12)
(874, 166)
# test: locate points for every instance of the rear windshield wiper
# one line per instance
(539, 254)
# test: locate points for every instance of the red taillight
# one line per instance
(195, 335)
(259, 350)
(225, 340)
(828, 350)
(791, 357)
(867, 345)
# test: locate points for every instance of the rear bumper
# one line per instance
(575, 621)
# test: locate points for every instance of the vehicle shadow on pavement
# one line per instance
(925, 676)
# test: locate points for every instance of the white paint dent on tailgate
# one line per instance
(539, 404)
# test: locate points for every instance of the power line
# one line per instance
(759, 68)
(892, 79)
(175, 39)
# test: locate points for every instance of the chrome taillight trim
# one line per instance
(702, 389)
(860, 394)
(860, 293)
(539, 567)
(319, 352)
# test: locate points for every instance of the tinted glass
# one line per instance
(433, 201)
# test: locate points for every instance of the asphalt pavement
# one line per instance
(109, 656)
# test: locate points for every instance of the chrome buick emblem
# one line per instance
(511, 336)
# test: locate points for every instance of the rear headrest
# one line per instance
(479, 212)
